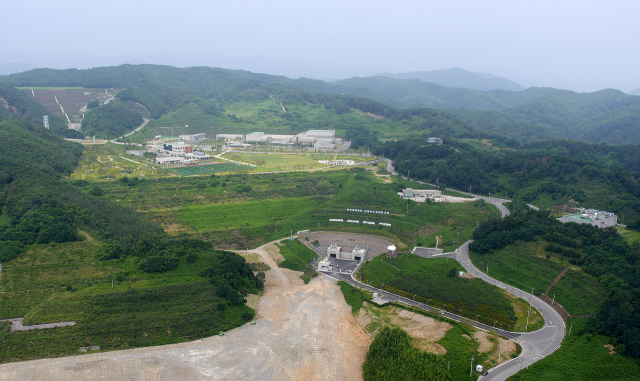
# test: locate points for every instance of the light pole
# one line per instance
(469, 190)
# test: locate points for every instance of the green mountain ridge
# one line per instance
(528, 115)
(456, 77)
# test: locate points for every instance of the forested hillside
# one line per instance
(112, 120)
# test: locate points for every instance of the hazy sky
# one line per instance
(578, 45)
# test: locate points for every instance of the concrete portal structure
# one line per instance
(335, 251)
(599, 218)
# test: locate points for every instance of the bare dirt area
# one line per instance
(425, 331)
(489, 342)
(274, 253)
(302, 332)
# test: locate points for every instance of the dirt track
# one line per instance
(303, 332)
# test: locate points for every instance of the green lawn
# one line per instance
(434, 281)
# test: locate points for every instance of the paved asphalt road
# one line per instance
(535, 345)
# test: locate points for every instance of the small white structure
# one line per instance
(391, 251)
(324, 265)
(433, 140)
(479, 368)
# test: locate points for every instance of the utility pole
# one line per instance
(500, 350)
(471, 370)
(527, 326)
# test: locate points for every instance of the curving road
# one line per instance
(535, 345)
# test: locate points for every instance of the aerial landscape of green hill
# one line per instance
(84, 240)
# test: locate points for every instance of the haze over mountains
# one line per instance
(456, 77)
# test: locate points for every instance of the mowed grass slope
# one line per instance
(435, 280)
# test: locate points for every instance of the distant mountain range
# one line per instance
(534, 114)
(456, 77)
(635, 92)
(12, 68)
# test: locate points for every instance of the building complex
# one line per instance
(599, 218)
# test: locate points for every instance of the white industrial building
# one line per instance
(169, 159)
(230, 137)
(433, 140)
(420, 193)
(193, 138)
(599, 218)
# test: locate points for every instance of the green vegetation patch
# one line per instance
(392, 357)
(207, 169)
(124, 319)
(297, 256)
(247, 213)
(522, 265)
(435, 281)
(353, 296)
(578, 293)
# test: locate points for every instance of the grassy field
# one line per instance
(208, 169)
(582, 357)
(525, 265)
(226, 209)
(435, 281)
(255, 213)
(265, 218)
(114, 304)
